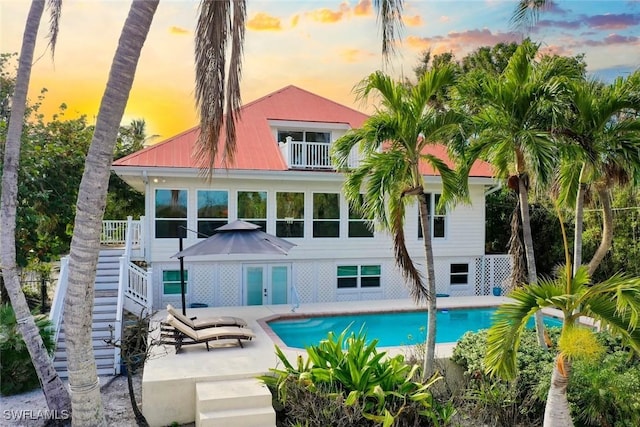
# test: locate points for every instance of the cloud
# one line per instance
(363, 8)
(461, 43)
(328, 16)
(264, 22)
(568, 25)
(351, 56)
(613, 39)
(412, 21)
(178, 30)
(294, 21)
(559, 50)
(444, 18)
(612, 21)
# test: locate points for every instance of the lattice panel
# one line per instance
(304, 281)
(496, 273)
(325, 273)
(203, 284)
(393, 282)
(229, 285)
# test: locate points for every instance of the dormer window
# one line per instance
(305, 149)
(304, 136)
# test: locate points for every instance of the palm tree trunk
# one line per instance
(429, 359)
(532, 274)
(556, 411)
(607, 230)
(54, 390)
(579, 220)
(85, 244)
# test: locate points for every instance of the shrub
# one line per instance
(505, 402)
(345, 381)
(17, 372)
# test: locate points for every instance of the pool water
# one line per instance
(391, 328)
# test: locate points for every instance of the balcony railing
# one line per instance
(310, 155)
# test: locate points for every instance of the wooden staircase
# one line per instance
(104, 314)
(236, 402)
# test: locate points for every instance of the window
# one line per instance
(171, 213)
(213, 211)
(171, 284)
(290, 214)
(459, 274)
(437, 220)
(354, 276)
(326, 215)
(252, 207)
(304, 136)
(359, 227)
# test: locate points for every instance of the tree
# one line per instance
(614, 302)
(516, 112)
(394, 145)
(606, 151)
(85, 244)
(52, 387)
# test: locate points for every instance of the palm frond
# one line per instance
(390, 19)
(527, 12)
(55, 11)
(219, 22)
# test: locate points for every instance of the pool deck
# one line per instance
(169, 379)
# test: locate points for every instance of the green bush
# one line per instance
(497, 401)
(17, 373)
(345, 381)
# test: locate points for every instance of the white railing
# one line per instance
(113, 232)
(306, 155)
(57, 305)
(137, 280)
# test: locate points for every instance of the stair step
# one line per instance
(215, 396)
(255, 417)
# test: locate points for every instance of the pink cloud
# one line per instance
(363, 8)
(613, 21)
(412, 21)
(613, 39)
(461, 43)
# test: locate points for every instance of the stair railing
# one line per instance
(57, 305)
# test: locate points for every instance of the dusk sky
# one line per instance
(324, 46)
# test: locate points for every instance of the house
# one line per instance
(282, 179)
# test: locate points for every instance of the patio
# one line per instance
(169, 380)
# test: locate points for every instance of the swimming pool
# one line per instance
(390, 328)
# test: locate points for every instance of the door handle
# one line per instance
(264, 292)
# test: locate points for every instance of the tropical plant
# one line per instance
(614, 303)
(349, 366)
(17, 373)
(604, 130)
(54, 391)
(396, 149)
(518, 109)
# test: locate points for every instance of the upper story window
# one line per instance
(213, 211)
(290, 214)
(326, 215)
(304, 136)
(252, 207)
(171, 213)
(359, 227)
(436, 220)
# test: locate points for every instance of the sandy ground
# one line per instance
(25, 410)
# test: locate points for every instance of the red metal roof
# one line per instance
(257, 148)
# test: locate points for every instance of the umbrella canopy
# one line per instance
(238, 237)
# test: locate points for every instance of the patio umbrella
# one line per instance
(237, 237)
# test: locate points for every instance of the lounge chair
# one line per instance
(176, 333)
(206, 322)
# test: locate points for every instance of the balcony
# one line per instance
(310, 155)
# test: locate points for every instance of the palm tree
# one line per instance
(404, 126)
(85, 244)
(54, 390)
(602, 125)
(614, 303)
(517, 111)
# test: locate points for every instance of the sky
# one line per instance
(323, 46)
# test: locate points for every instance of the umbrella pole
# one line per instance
(182, 285)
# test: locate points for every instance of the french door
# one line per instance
(266, 283)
